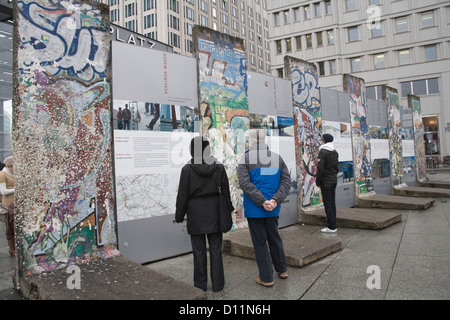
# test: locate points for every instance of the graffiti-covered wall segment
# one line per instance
(61, 132)
(222, 75)
(361, 150)
(308, 127)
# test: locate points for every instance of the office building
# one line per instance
(172, 22)
(404, 44)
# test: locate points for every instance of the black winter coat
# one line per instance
(198, 197)
(328, 168)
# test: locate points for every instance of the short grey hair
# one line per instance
(8, 161)
(255, 136)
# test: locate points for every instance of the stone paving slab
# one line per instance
(358, 218)
(301, 248)
(383, 201)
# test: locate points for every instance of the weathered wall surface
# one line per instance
(222, 76)
(419, 142)
(390, 95)
(61, 132)
(308, 128)
(361, 150)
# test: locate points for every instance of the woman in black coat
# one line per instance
(198, 197)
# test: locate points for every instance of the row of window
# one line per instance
(404, 57)
(377, 61)
(299, 13)
(353, 33)
(416, 87)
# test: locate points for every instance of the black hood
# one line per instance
(204, 169)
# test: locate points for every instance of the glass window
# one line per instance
(330, 34)
(317, 9)
(427, 19)
(307, 12)
(371, 93)
(319, 39)
(404, 57)
(379, 60)
(351, 5)
(420, 87)
(288, 45)
(321, 65)
(374, 2)
(356, 64)
(353, 34)
(376, 30)
(333, 66)
(433, 85)
(280, 72)
(278, 45)
(328, 7)
(406, 88)
(298, 42)
(401, 24)
(276, 19)
(286, 17)
(296, 14)
(309, 41)
(430, 53)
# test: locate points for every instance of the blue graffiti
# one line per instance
(65, 40)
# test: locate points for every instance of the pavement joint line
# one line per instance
(329, 265)
(396, 254)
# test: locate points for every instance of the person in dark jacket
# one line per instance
(326, 179)
(265, 180)
(198, 198)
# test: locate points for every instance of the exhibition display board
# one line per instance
(160, 91)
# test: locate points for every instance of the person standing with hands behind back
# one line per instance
(326, 179)
(198, 199)
(265, 180)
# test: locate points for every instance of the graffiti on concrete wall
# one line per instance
(223, 103)
(419, 142)
(394, 121)
(362, 165)
(61, 133)
(308, 127)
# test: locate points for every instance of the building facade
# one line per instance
(404, 44)
(172, 22)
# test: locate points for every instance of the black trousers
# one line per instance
(265, 231)
(329, 202)
(200, 260)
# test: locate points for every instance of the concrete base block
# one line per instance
(357, 218)
(411, 191)
(116, 278)
(393, 202)
(300, 249)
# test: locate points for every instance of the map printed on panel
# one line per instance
(148, 168)
(143, 195)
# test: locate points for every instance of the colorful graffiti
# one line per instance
(361, 152)
(394, 135)
(308, 127)
(223, 103)
(419, 142)
(62, 133)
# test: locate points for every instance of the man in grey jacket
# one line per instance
(265, 180)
